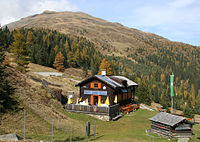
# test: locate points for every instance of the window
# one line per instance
(95, 85)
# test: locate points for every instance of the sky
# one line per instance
(176, 20)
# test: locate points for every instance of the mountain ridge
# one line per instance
(107, 35)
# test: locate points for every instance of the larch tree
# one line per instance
(29, 37)
(59, 62)
(20, 51)
(192, 96)
(105, 65)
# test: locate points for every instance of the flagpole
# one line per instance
(172, 90)
(171, 104)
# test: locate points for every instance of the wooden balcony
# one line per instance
(111, 111)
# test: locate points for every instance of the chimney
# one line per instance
(103, 72)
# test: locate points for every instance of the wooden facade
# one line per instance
(95, 92)
(170, 125)
(99, 88)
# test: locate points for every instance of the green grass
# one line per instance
(130, 127)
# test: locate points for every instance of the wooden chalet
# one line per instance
(99, 87)
(171, 125)
(104, 94)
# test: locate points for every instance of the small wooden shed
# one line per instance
(171, 125)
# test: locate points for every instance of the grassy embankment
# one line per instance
(41, 112)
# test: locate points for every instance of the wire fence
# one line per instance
(86, 131)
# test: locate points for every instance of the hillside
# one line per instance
(146, 58)
(41, 107)
(109, 36)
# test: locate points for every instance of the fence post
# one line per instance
(24, 124)
(109, 110)
(52, 130)
(95, 130)
(58, 123)
(86, 132)
(71, 134)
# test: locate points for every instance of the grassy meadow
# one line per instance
(129, 128)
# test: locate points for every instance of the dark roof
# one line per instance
(129, 82)
(167, 118)
(113, 81)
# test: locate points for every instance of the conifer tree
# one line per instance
(192, 96)
(19, 49)
(143, 94)
(105, 65)
(59, 62)
(6, 90)
(29, 38)
(56, 49)
(188, 111)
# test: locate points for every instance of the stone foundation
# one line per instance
(101, 117)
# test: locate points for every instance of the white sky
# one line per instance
(177, 20)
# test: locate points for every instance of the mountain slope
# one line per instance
(111, 36)
(41, 108)
(155, 58)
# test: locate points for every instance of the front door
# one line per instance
(95, 100)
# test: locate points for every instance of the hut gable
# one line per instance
(167, 118)
(112, 81)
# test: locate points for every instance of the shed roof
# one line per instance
(167, 118)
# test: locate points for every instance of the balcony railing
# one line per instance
(110, 111)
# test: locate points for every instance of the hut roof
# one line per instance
(113, 81)
(129, 82)
(167, 118)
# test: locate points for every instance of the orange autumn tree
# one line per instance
(59, 62)
(105, 65)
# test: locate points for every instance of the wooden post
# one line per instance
(86, 132)
(24, 124)
(95, 130)
(71, 134)
(52, 131)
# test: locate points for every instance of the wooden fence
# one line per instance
(110, 111)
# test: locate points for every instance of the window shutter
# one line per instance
(91, 85)
(99, 85)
